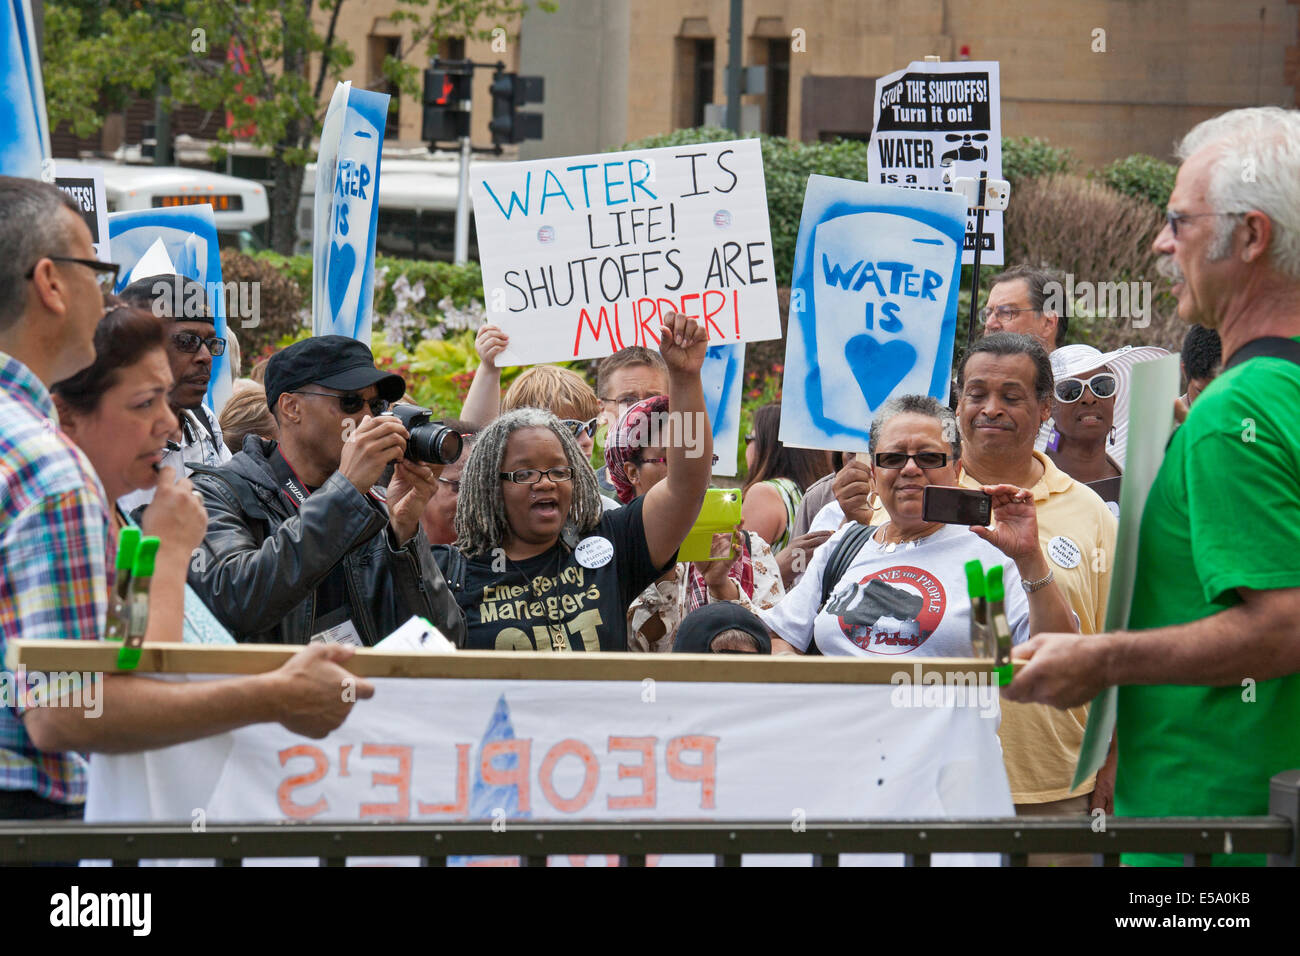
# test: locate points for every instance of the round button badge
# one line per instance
(594, 552)
(1064, 552)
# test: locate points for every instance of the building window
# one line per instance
(778, 86)
(380, 49)
(702, 87)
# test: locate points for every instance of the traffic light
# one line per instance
(509, 92)
(446, 105)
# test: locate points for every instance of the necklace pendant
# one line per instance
(559, 639)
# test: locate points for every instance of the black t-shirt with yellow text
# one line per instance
(551, 602)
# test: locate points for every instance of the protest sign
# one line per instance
(722, 376)
(430, 750)
(936, 122)
(85, 186)
(873, 307)
(347, 213)
(582, 255)
(179, 240)
(24, 129)
(1150, 421)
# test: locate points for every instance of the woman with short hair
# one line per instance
(904, 592)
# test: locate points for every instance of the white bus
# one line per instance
(417, 209)
(238, 205)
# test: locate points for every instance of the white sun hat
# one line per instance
(1071, 361)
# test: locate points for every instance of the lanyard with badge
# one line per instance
(339, 628)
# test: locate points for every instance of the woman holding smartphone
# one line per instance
(904, 592)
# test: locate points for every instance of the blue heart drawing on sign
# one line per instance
(343, 262)
(878, 367)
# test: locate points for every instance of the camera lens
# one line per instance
(434, 442)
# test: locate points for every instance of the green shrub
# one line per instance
(1029, 157)
(1142, 177)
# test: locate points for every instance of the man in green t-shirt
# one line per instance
(1209, 670)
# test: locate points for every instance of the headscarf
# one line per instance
(628, 437)
(698, 629)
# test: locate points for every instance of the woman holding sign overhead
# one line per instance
(537, 564)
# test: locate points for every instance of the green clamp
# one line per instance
(1005, 672)
(128, 658)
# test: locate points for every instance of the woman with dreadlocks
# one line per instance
(537, 564)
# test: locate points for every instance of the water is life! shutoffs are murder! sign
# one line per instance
(582, 255)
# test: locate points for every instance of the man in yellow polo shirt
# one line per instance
(1005, 386)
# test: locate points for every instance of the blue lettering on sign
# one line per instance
(514, 197)
(547, 192)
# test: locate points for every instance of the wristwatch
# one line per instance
(1032, 586)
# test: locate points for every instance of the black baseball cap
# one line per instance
(175, 297)
(334, 361)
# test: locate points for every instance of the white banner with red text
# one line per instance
(431, 750)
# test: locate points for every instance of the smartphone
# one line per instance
(719, 514)
(956, 505)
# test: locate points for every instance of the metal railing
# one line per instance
(1195, 839)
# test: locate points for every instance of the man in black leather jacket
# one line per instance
(299, 542)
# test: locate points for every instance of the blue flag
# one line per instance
(24, 130)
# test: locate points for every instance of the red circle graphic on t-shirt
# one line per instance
(904, 593)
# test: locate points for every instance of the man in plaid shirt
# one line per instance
(53, 520)
(53, 548)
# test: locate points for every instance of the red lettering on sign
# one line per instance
(284, 792)
(705, 771)
(722, 304)
(399, 809)
(590, 775)
(645, 771)
(602, 320)
(517, 777)
(461, 806)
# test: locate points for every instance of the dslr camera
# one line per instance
(431, 441)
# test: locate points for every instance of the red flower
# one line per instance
(755, 393)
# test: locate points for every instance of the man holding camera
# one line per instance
(300, 545)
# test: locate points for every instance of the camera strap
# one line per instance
(293, 489)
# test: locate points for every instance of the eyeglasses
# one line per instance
(1003, 312)
(624, 402)
(577, 427)
(1174, 218)
(189, 342)
(452, 483)
(531, 476)
(350, 403)
(108, 271)
(897, 460)
(1070, 390)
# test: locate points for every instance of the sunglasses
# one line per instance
(1070, 390)
(350, 403)
(107, 277)
(577, 427)
(531, 476)
(189, 342)
(897, 460)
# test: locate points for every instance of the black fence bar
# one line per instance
(1014, 838)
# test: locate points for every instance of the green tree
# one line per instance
(97, 52)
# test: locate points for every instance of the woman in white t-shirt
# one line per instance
(905, 591)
